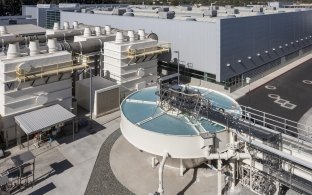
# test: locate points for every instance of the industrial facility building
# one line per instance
(46, 14)
(95, 61)
(224, 48)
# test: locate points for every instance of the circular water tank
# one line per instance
(128, 14)
(177, 136)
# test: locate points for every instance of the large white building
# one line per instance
(237, 43)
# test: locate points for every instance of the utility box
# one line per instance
(105, 95)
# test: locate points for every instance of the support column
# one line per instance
(160, 174)
(181, 168)
(219, 176)
(233, 173)
(153, 162)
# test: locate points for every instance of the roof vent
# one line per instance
(97, 30)
(13, 51)
(75, 24)
(141, 34)
(3, 30)
(52, 45)
(56, 26)
(34, 48)
(66, 25)
(119, 37)
(131, 35)
(87, 32)
(108, 29)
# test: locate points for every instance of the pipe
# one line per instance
(160, 174)
(40, 38)
(271, 150)
(219, 176)
(83, 47)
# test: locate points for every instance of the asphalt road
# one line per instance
(288, 87)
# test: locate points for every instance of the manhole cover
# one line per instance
(274, 96)
(271, 87)
(307, 82)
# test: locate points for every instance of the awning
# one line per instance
(43, 118)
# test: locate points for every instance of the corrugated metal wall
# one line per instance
(250, 36)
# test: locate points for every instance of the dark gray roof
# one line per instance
(20, 159)
(37, 120)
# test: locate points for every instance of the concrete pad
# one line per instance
(133, 169)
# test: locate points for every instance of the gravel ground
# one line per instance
(103, 180)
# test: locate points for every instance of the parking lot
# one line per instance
(288, 96)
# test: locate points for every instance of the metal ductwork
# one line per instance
(40, 38)
(83, 47)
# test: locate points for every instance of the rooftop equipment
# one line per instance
(34, 48)
(56, 26)
(75, 24)
(13, 51)
(3, 30)
(66, 25)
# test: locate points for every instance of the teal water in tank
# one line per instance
(139, 111)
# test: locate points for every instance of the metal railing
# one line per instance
(279, 124)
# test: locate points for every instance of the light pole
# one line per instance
(178, 65)
(248, 82)
(91, 106)
(248, 114)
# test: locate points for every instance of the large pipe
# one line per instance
(40, 38)
(83, 47)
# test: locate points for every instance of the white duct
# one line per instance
(141, 34)
(66, 25)
(131, 35)
(52, 45)
(97, 30)
(75, 24)
(56, 26)
(108, 29)
(3, 30)
(34, 48)
(119, 37)
(13, 51)
(87, 32)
